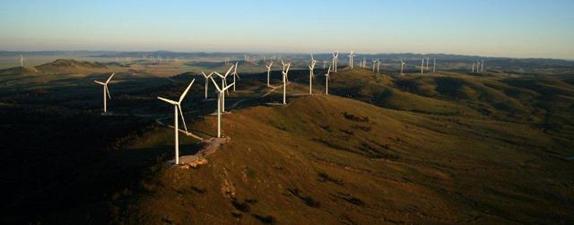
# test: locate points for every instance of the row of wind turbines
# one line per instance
(222, 87)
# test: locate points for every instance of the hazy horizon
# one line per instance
(514, 29)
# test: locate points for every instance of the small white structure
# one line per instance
(176, 110)
(434, 65)
(220, 102)
(423, 67)
(268, 66)
(207, 77)
(327, 81)
(285, 73)
(402, 66)
(235, 75)
(311, 74)
(335, 60)
(106, 90)
(352, 60)
(21, 61)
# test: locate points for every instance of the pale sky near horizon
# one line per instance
(513, 28)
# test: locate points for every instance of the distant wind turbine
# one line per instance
(423, 66)
(224, 84)
(402, 66)
(207, 77)
(311, 74)
(269, 72)
(106, 90)
(21, 61)
(335, 60)
(235, 75)
(352, 60)
(285, 73)
(327, 81)
(434, 65)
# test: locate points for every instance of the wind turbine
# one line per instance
(235, 75)
(378, 66)
(335, 60)
(402, 66)
(428, 59)
(423, 66)
(473, 65)
(106, 91)
(285, 73)
(311, 73)
(434, 65)
(352, 60)
(176, 110)
(206, 81)
(269, 72)
(482, 66)
(327, 81)
(220, 102)
(374, 65)
(21, 61)
(224, 84)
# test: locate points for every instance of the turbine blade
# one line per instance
(186, 90)
(215, 84)
(182, 117)
(110, 78)
(99, 82)
(167, 100)
(108, 91)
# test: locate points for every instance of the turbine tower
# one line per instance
(220, 102)
(311, 73)
(428, 59)
(378, 66)
(106, 91)
(482, 66)
(285, 73)
(352, 60)
(21, 61)
(327, 81)
(473, 65)
(269, 72)
(176, 110)
(207, 77)
(434, 65)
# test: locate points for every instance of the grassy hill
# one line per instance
(334, 160)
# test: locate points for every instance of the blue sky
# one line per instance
(516, 28)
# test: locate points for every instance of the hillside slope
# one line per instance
(333, 160)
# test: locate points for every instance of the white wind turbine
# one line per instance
(206, 82)
(224, 84)
(473, 65)
(402, 66)
(220, 102)
(335, 60)
(434, 65)
(482, 66)
(352, 59)
(327, 81)
(269, 72)
(235, 75)
(177, 110)
(423, 66)
(374, 65)
(106, 91)
(21, 61)
(285, 73)
(378, 66)
(311, 74)
(428, 59)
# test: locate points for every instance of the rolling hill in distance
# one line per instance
(446, 147)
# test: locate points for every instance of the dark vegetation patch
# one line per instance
(308, 200)
(240, 205)
(363, 128)
(376, 152)
(331, 145)
(355, 118)
(349, 198)
(324, 177)
(265, 219)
